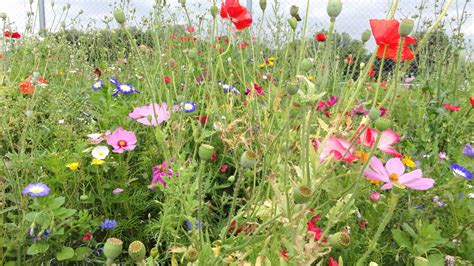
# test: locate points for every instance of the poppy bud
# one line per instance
(302, 194)
(382, 124)
(112, 248)
(306, 65)
(193, 53)
(365, 36)
(263, 4)
(205, 152)
(374, 114)
(119, 16)
(294, 12)
(420, 261)
(84, 197)
(137, 251)
(231, 179)
(3, 15)
(339, 240)
(192, 254)
(214, 11)
(362, 65)
(248, 159)
(292, 88)
(293, 23)
(406, 27)
(374, 196)
(183, 3)
(172, 63)
(334, 8)
(154, 252)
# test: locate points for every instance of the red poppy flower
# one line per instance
(349, 60)
(14, 35)
(332, 262)
(318, 232)
(386, 35)
(214, 155)
(87, 236)
(238, 14)
(26, 87)
(284, 254)
(202, 119)
(190, 29)
(320, 37)
(471, 99)
(167, 79)
(223, 168)
(452, 108)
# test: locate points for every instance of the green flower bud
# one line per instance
(137, 251)
(374, 114)
(406, 27)
(154, 252)
(248, 159)
(214, 11)
(306, 64)
(334, 8)
(294, 12)
(205, 152)
(292, 88)
(231, 178)
(191, 254)
(84, 197)
(339, 240)
(382, 124)
(119, 16)
(113, 248)
(263, 4)
(365, 36)
(302, 194)
(293, 23)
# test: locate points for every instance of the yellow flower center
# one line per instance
(393, 177)
(36, 190)
(408, 162)
(122, 143)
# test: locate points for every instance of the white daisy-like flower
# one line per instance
(100, 152)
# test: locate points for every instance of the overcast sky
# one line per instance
(354, 18)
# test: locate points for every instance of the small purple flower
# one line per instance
(435, 198)
(442, 156)
(468, 151)
(461, 171)
(197, 225)
(108, 224)
(189, 107)
(98, 85)
(122, 88)
(36, 190)
(160, 171)
(440, 204)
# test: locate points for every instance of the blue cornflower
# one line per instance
(461, 171)
(122, 88)
(468, 151)
(108, 224)
(189, 107)
(235, 91)
(189, 225)
(36, 190)
(114, 81)
(98, 85)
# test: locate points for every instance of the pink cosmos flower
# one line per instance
(388, 138)
(160, 171)
(337, 147)
(393, 174)
(146, 114)
(122, 140)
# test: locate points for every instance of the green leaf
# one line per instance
(65, 254)
(436, 260)
(30, 217)
(57, 202)
(82, 252)
(401, 238)
(64, 213)
(409, 230)
(37, 248)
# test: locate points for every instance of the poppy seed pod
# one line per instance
(293, 23)
(137, 251)
(365, 36)
(374, 114)
(192, 254)
(154, 252)
(382, 124)
(302, 194)
(248, 159)
(119, 16)
(339, 240)
(334, 8)
(292, 88)
(205, 152)
(113, 248)
(263, 4)
(306, 65)
(406, 27)
(214, 11)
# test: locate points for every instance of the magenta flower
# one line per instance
(393, 174)
(160, 171)
(122, 140)
(151, 115)
(388, 138)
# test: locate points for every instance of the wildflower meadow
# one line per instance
(211, 142)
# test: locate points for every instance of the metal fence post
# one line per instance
(42, 17)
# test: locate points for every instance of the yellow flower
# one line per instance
(73, 166)
(262, 65)
(97, 162)
(408, 161)
(364, 156)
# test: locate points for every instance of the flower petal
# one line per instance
(395, 166)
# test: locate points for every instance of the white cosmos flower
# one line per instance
(100, 152)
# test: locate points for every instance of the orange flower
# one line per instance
(26, 87)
